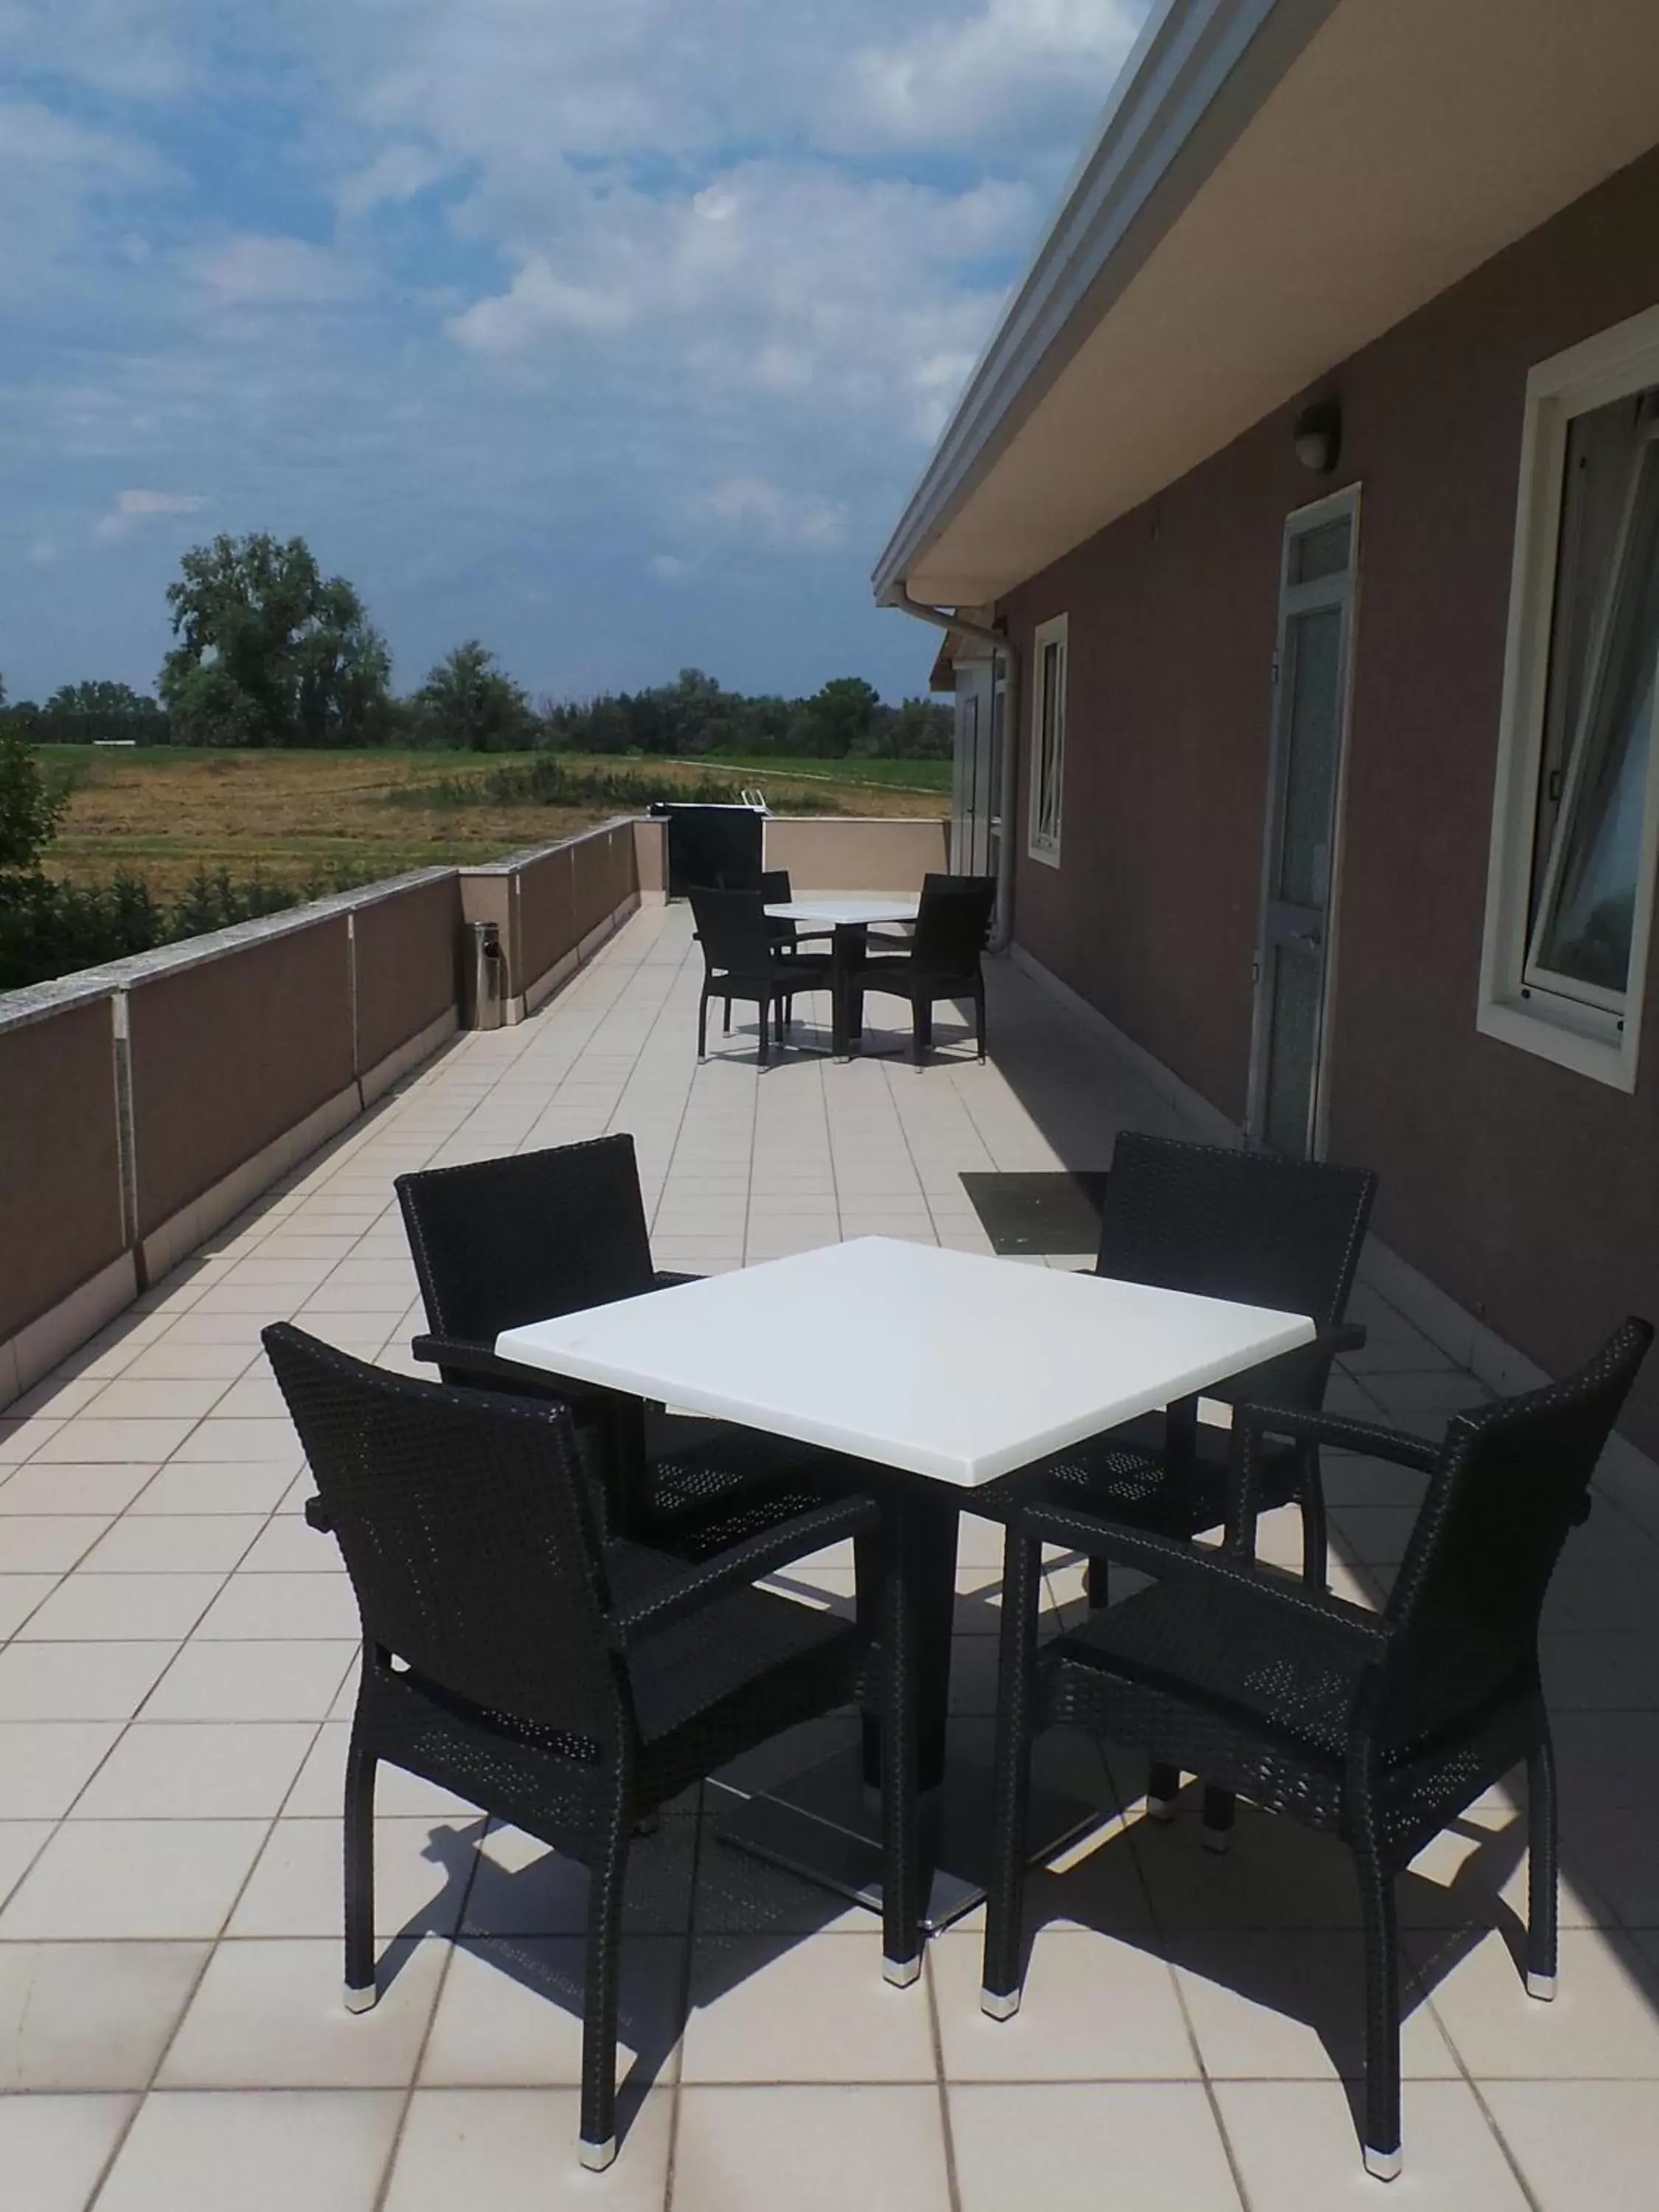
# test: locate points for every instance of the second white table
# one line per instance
(847, 919)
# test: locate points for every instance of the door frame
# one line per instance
(1297, 523)
(973, 799)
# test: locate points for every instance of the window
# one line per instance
(1047, 739)
(1571, 892)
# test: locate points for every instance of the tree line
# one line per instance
(271, 651)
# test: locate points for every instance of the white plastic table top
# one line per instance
(945, 1364)
(845, 913)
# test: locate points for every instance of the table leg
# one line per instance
(845, 949)
(825, 1823)
(932, 1557)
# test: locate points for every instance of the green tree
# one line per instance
(79, 714)
(30, 808)
(271, 651)
(840, 718)
(469, 701)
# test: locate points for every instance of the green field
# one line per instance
(305, 818)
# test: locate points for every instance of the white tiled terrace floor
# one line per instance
(177, 1674)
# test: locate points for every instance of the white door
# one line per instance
(1310, 700)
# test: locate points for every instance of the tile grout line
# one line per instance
(394, 2149)
(947, 2132)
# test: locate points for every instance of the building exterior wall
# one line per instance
(1528, 1192)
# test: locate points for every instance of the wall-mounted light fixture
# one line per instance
(1317, 435)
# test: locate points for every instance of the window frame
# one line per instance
(1055, 631)
(1597, 1041)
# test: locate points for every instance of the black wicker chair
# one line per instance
(499, 1242)
(1225, 1224)
(774, 886)
(943, 961)
(743, 960)
(569, 1687)
(1379, 1728)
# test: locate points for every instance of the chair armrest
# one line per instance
(1165, 1559)
(666, 1279)
(477, 1361)
(1310, 1425)
(744, 1563)
(319, 1517)
(1346, 1336)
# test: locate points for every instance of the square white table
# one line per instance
(943, 1366)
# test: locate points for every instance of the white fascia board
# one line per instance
(1199, 72)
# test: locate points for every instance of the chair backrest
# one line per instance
(498, 1243)
(1510, 1481)
(952, 918)
(772, 883)
(1234, 1225)
(732, 928)
(463, 1525)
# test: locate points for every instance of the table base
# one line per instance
(824, 1824)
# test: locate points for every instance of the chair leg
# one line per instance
(764, 1049)
(726, 1024)
(1001, 1977)
(1096, 1584)
(702, 1023)
(1315, 1540)
(919, 1024)
(362, 1992)
(1163, 1787)
(1376, 1904)
(979, 1015)
(598, 2146)
(1542, 1872)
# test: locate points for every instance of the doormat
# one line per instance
(1058, 1212)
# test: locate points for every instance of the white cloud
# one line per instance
(538, 304)
(756, 509)
(253, 271)
(132, 509)
(671, 568)
(392, 178)
(951, 80)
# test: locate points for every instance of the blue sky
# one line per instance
(614, 332)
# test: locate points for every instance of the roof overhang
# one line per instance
(1274, 184)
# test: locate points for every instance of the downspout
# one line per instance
(899, 597)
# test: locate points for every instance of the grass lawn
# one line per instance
(163, 811)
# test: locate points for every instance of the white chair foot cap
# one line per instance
(362, 2000)
(999, 2008)
(1161, 1808)
(1541, 1986)
(597, 2156)
(1217, 1839)
(902, 1972)
(1383, 2164)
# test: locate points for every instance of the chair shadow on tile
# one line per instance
(1273, 1928)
